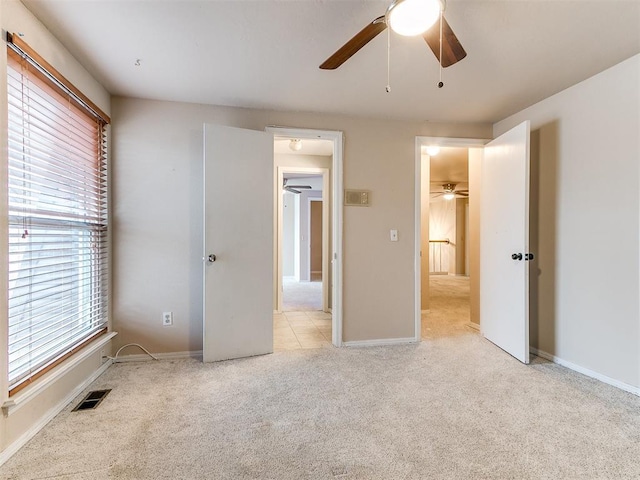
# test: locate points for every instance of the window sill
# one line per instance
(21, 398)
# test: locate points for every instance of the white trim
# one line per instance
(279, 211)
(585, 371)
(417, 264)
(336, 215)
(8, 452)
(21, 398)
(380, 342)
(475, 326)
(143, 357)
(453, 142)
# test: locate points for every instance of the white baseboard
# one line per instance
(380, 342)
(585, 371)
(47, 417)
(475, 326)
(143, 357)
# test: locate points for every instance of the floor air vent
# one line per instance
(92, 400)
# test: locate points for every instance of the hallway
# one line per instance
(448, 315)
(302, 323)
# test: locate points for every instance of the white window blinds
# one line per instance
(57, 194)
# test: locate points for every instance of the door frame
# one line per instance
(337, 137)
(325, 231)
(421, 141)
(325, 240)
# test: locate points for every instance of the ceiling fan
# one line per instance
(449, 192)
(407, 17)
(294, 188)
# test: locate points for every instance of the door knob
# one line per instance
(211, 258)
(516, 256)
(528, 256)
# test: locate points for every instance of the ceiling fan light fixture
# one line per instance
(295, 144)
(449, 196)
(412, 17)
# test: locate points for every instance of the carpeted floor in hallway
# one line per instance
(448, 313)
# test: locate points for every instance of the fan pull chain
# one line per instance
(440, 83)
(388, 88)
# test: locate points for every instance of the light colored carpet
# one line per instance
(301, 296)
(453, 407)
(448, 408)
(448, 313)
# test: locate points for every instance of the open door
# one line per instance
(238, 243)
(504, 242)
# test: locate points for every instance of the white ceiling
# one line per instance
(451, 165)
(265, 54)
(314, 181)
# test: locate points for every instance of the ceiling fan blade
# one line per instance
(452, 51)
(292, 190)
(462, 194)
(300, 186)
(350, 48)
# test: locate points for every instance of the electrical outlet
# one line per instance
(167, 319)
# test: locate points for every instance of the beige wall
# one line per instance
(157, 150)
(425, 189)
(290, 206)
(305, 235)
(585, 222)
(475, 159)
(14, 17)
(461, 239)
(315, 237)
(442, 226)
(447, 221)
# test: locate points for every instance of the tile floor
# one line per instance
(296, 330)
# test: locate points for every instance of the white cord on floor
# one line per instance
(115, 357)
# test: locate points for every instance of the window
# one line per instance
(57, 217)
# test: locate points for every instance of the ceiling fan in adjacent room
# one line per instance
(449, 192)
(294, 188)
(409, 18)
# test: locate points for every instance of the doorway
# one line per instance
(302, 228)
(316, 229)
(499, 175)
(448, 278)
(307, 247)
(447, 251)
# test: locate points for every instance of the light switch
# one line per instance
(393, 234)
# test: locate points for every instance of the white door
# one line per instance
(238, 243)
(504, 242)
